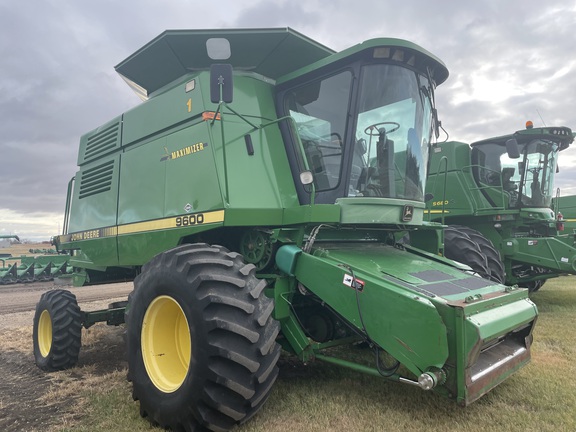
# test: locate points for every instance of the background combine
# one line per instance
(496, 197)
(41, 266)
(256, 196)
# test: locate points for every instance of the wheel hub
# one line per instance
(45, 333)
(166, 344)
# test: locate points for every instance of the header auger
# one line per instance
(256, 196)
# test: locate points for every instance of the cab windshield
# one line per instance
(374, 146)
(392, 133)
(527, 181)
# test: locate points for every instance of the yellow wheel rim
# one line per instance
(166, 344)
(45, 333)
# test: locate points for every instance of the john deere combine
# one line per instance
(495, 195)
(255, 196)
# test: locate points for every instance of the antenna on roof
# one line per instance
(543, 122)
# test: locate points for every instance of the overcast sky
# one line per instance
(509, 61)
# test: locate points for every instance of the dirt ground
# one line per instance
(32, 400)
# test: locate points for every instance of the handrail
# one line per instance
(445, 159)
(557, 202)
(260, 127)
(67, 206)
(478, 205)
(481, 188)
(442, 159)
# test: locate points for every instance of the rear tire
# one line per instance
(493, 258)
(202, 348)
(458, 246)
(57, 331)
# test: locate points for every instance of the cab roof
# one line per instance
(562, 134)
(175, 53)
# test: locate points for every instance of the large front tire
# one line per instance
(57, 332)
(202, 348)
(493, 258)
(458, 246)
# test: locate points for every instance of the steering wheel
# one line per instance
(370, 129)
(374, 190)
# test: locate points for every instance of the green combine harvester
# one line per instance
(255, 197)
(496, 197)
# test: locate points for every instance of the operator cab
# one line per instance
(363, 123)
(521, 180)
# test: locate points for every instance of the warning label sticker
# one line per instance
(353, 282)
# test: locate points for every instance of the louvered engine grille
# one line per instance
(96, 180)
(102, 142)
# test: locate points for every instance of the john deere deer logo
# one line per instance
(407, 213)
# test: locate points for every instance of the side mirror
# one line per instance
(221, 85)
(512, 148)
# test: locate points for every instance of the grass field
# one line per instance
(19, 249)
(321, 397)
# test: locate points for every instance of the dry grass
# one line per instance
(18, 339)
(24, 249)
(321, 397)
(18, 250)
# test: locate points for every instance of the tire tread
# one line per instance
(238, 352)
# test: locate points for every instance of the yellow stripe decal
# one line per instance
(154, 225)
(438, 211)
(173, 222)
(111, 231)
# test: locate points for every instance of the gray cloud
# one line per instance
(276, 14)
